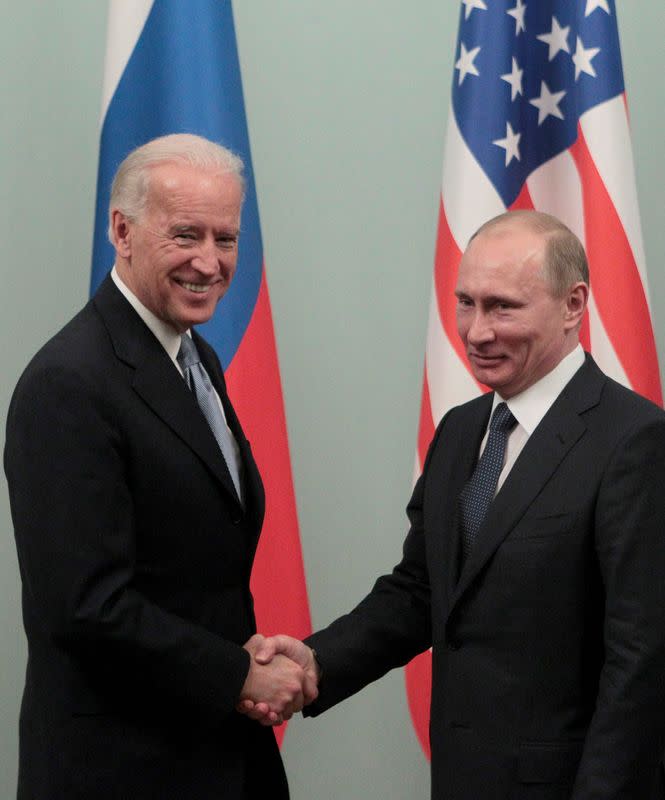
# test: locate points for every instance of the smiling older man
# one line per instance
(535, 562)
(137, 508)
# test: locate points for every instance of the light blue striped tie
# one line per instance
(198, 381)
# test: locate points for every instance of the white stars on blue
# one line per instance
(510, 143)
(592, 5)
(556, 39)
(517, 13)
(514, 78)
(524, 73)
(470, 5)
(465, 63)
(582, 59)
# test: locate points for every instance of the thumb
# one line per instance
(255, 641)
(266, 651)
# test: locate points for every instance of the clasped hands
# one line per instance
(283, 678)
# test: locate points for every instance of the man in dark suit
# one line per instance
(137, 516)
(535, 562)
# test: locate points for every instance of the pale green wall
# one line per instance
(347, 103)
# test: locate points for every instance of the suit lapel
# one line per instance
(163, 389)
(546, 448)
(157, 381)
(463, 438)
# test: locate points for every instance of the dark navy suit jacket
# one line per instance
(549, 648)
(135, 558)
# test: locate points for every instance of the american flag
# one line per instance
(538, 120)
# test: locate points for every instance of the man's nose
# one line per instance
(480, 329)
(206, 259)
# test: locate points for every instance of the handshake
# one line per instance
(283, 678)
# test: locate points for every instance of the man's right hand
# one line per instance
(278, 658)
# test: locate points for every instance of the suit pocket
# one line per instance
(549, 762)
(543, 526)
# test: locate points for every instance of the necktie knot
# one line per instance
(188, 355)
(502, 419)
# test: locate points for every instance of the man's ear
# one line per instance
(576, 303)
(121, 230)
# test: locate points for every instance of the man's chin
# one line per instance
(490, 375)
(184, 319)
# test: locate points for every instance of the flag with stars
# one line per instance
(172, 67)
(538, 119)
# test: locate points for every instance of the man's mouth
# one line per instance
(197, 288)
(485, 359)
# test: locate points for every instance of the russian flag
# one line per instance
(172, 67)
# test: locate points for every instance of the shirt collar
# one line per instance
(166, 334)
(531, 405)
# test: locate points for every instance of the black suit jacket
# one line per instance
(549, 647)
(135, 558)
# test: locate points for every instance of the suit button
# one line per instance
(236, 518)
(453, 644)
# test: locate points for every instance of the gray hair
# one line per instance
(129, 190)
(565, 260)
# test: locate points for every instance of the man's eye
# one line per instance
(185, 239)
(227, 242)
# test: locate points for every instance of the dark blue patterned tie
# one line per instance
(198, 381)
(478, 493)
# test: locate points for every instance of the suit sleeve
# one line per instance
(625, 740)
(386, 629)
(76, 541)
